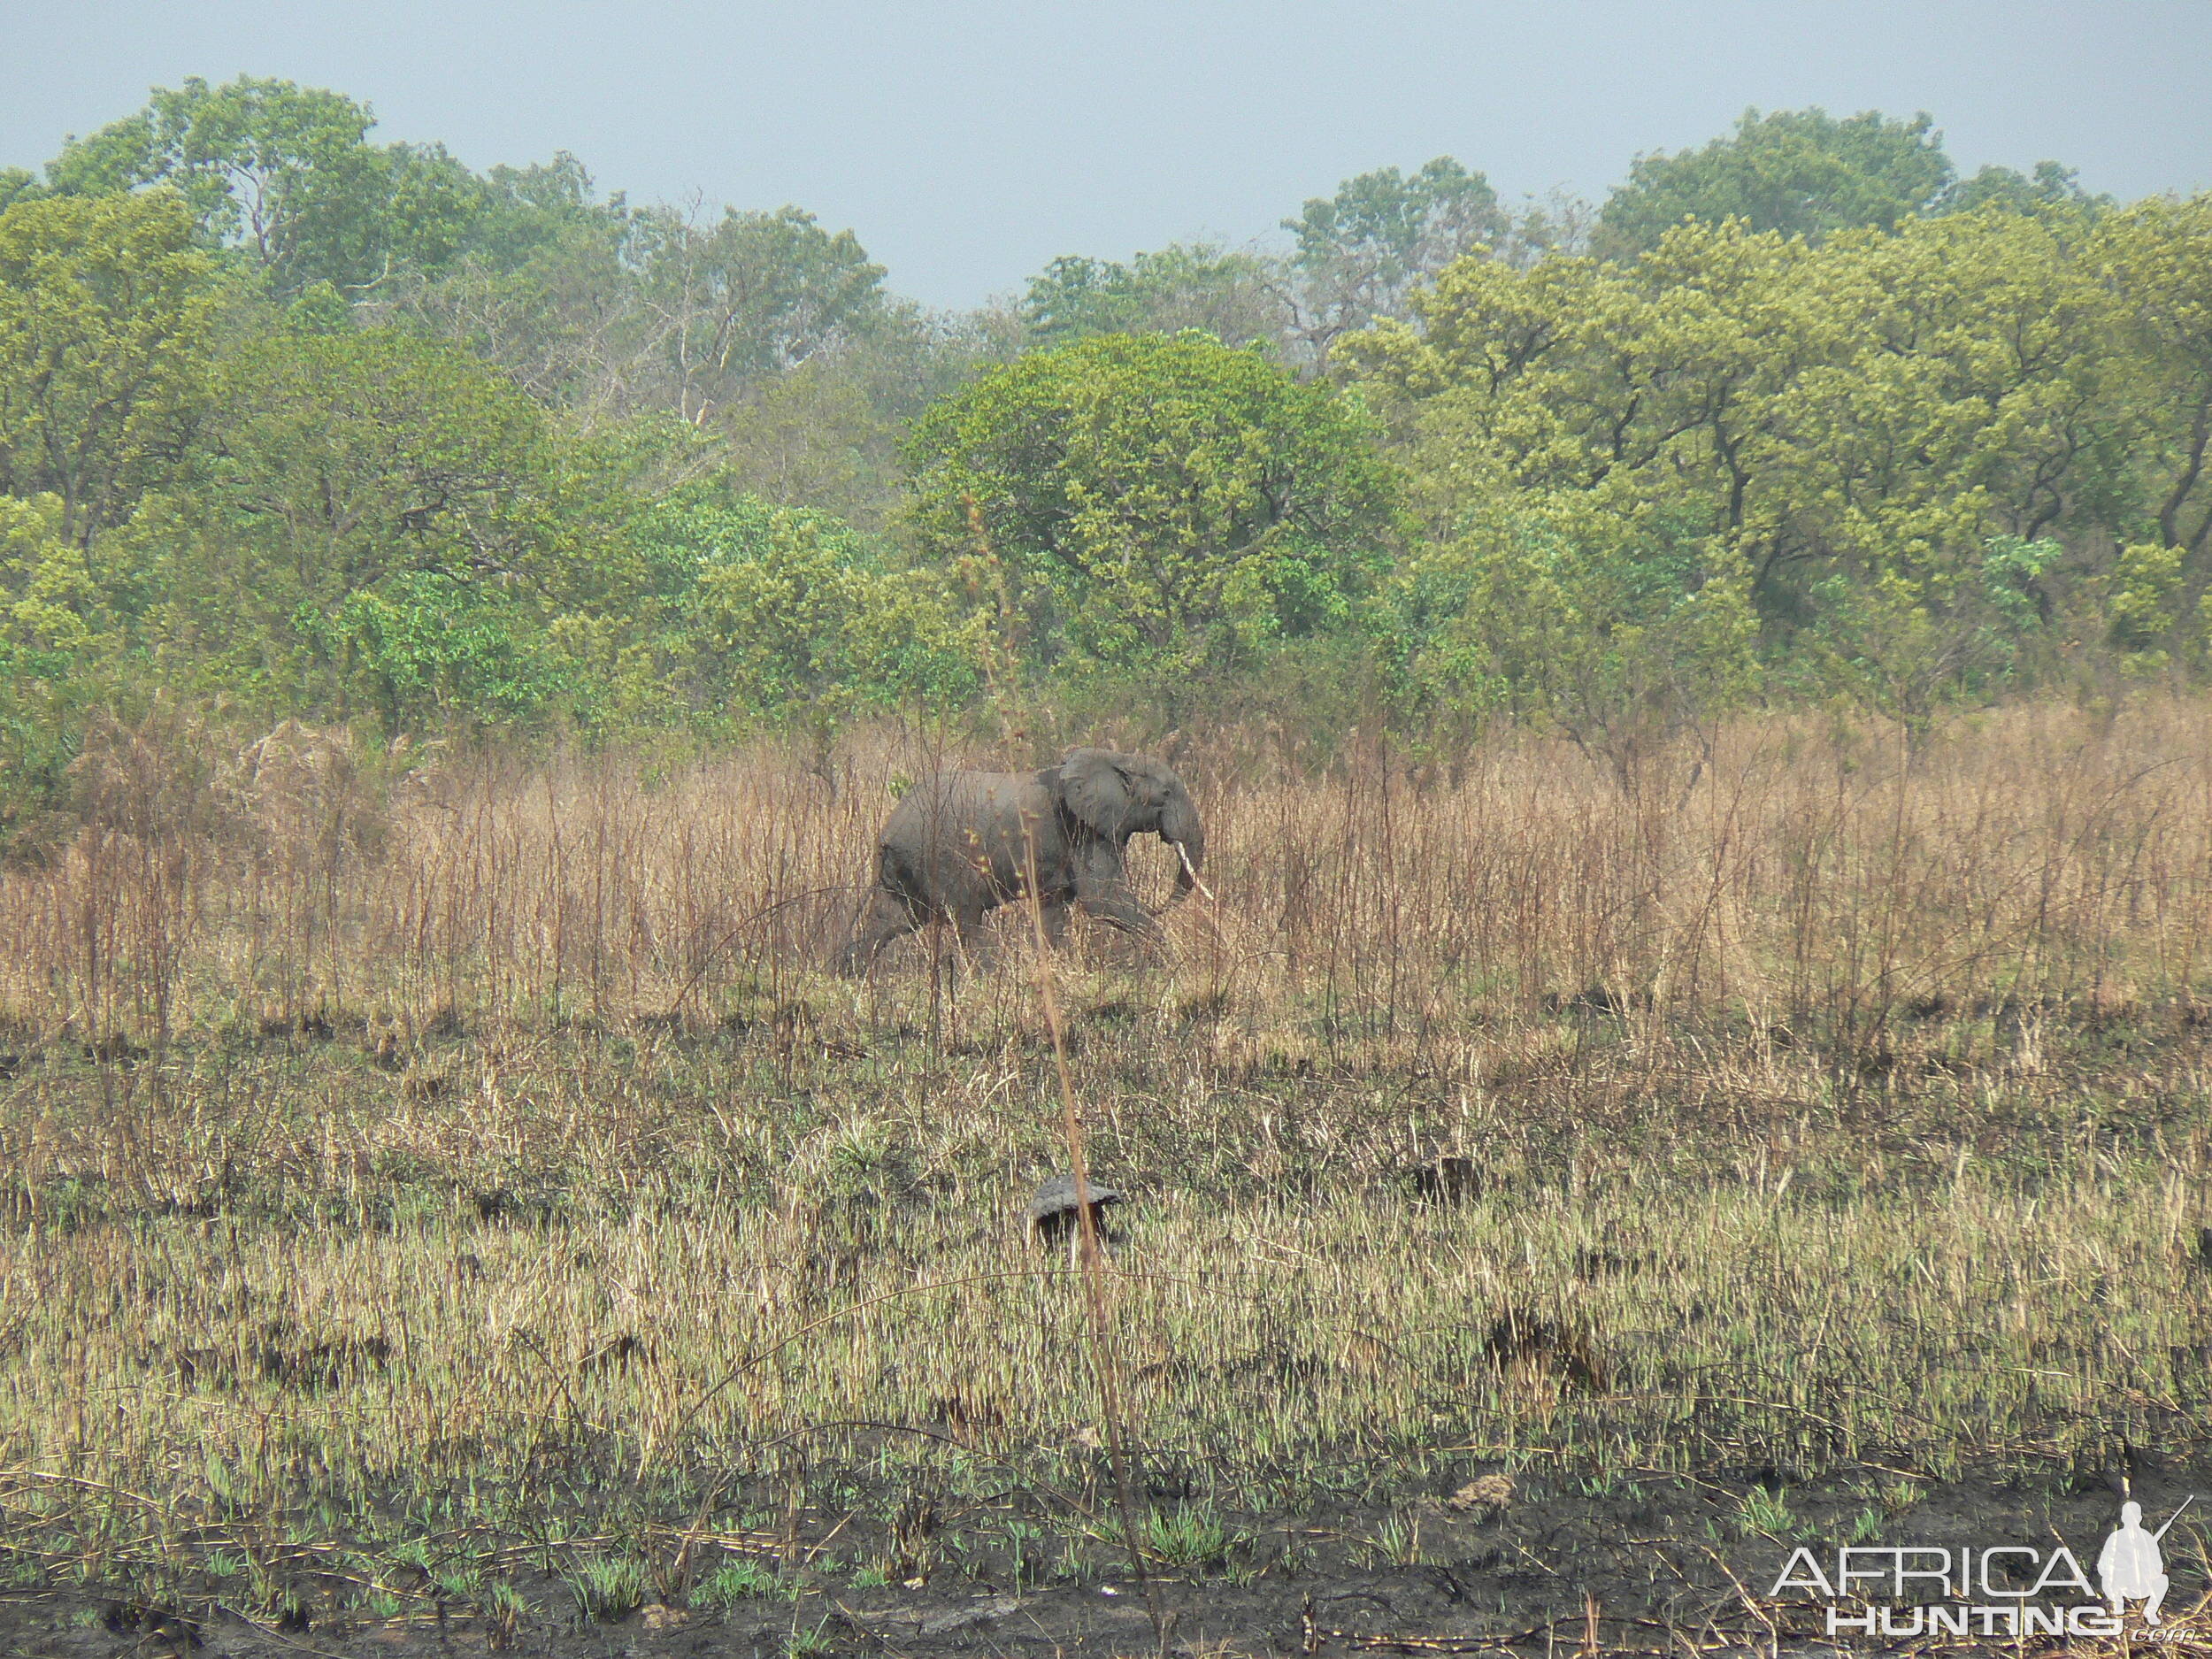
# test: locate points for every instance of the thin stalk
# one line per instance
(1093, 1262)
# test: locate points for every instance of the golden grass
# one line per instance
(1804, 873)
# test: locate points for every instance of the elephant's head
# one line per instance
(1116, 796)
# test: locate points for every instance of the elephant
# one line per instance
(959, 844)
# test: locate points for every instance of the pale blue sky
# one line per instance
(967, 142)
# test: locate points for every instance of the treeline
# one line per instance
(293, 423)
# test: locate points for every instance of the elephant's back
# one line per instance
(960, 798)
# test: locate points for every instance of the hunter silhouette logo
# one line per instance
(1920, 1590)
(2129, 1566)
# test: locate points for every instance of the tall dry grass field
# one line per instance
(1802, 874)
(427, 1187)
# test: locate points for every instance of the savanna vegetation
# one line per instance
(461, 1204)
(1694, 1040)
(299, 425)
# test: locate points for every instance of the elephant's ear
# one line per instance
(1095, 789)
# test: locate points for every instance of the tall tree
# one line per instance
(1904, 450)
(749, 296)
(285, 174)
(337, 460)
(827, 434)
(105, 307)
(358, 496)
(2156, 258)
(1235, 297)
(786, 612)
(1802, 172)
(546, 289)
(1361, 252)
(1147, 494)
(2050, 187)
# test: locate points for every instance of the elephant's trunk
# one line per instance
(1180, 828)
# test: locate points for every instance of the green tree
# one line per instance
(781, 613)
(430, 651)
(1802, 172)
(105, 311)
(1619, 631)
(826, 433)
(1141, 495)
(366, 462)
(286, 174)
(1961, 393)
(59, 656)
(1361, 252)
(2156, 259)
(2050, 187)
(750, 295)
(1235, 297)
(1844, 430)
(522, 211)
(1913, 638)
(563, 321)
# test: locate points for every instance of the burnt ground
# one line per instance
(1662, 1568)
(1584, 1553)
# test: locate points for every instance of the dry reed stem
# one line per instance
(1104, 1363)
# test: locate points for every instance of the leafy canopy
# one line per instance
(1929, 462)
(105, 313)
(750, 295)
(1231, 296)
(1801, 172)
(776, 612)
(1360, 252)
(287, 176)
(1140, 494)
(336, 429)
(344, 482)
(1358, 255)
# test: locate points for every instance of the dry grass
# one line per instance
(1807, 875)
(478, 1155)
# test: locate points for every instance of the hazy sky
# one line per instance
(968, 142)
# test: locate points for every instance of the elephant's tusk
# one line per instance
(1191, 870)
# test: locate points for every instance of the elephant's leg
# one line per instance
(1120, 909)
(1113, 903)
(1101, 888)
(1053, 913)
(976, 944)
(887, 917)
